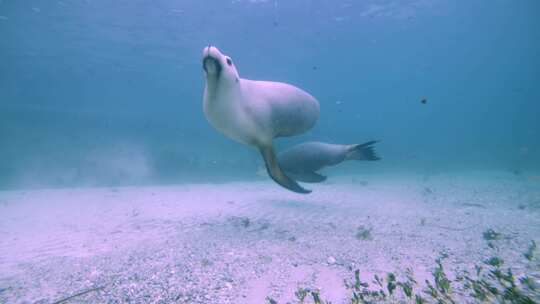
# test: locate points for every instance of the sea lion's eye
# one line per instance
(229, 61)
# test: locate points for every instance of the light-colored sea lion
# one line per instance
(255, 112)
(301, 162)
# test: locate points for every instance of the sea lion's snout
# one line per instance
(211, 65)
(211, 60)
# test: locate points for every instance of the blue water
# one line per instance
(110, 92)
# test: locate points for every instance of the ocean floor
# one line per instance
(254, 242)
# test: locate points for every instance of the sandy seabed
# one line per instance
(244, 242)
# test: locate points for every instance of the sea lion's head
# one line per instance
(219, 67)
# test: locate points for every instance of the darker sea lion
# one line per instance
(302, 161)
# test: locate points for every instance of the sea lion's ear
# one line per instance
(273, 169)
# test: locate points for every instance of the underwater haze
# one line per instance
(97, 93)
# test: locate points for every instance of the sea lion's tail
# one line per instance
(275, 172)
(364, 151)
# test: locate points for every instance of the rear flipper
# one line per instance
(307, 177)
(363, 151)
(273, 169)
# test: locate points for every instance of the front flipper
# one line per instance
(307, 177)
(273, 169)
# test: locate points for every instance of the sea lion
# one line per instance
(301, 162)
(255, 112)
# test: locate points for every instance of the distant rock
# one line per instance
(331, 260)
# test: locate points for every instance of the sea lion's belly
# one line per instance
(283, 109)
(294, 118)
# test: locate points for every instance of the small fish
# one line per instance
(423, 100)
(534, 178)
(473, 205)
